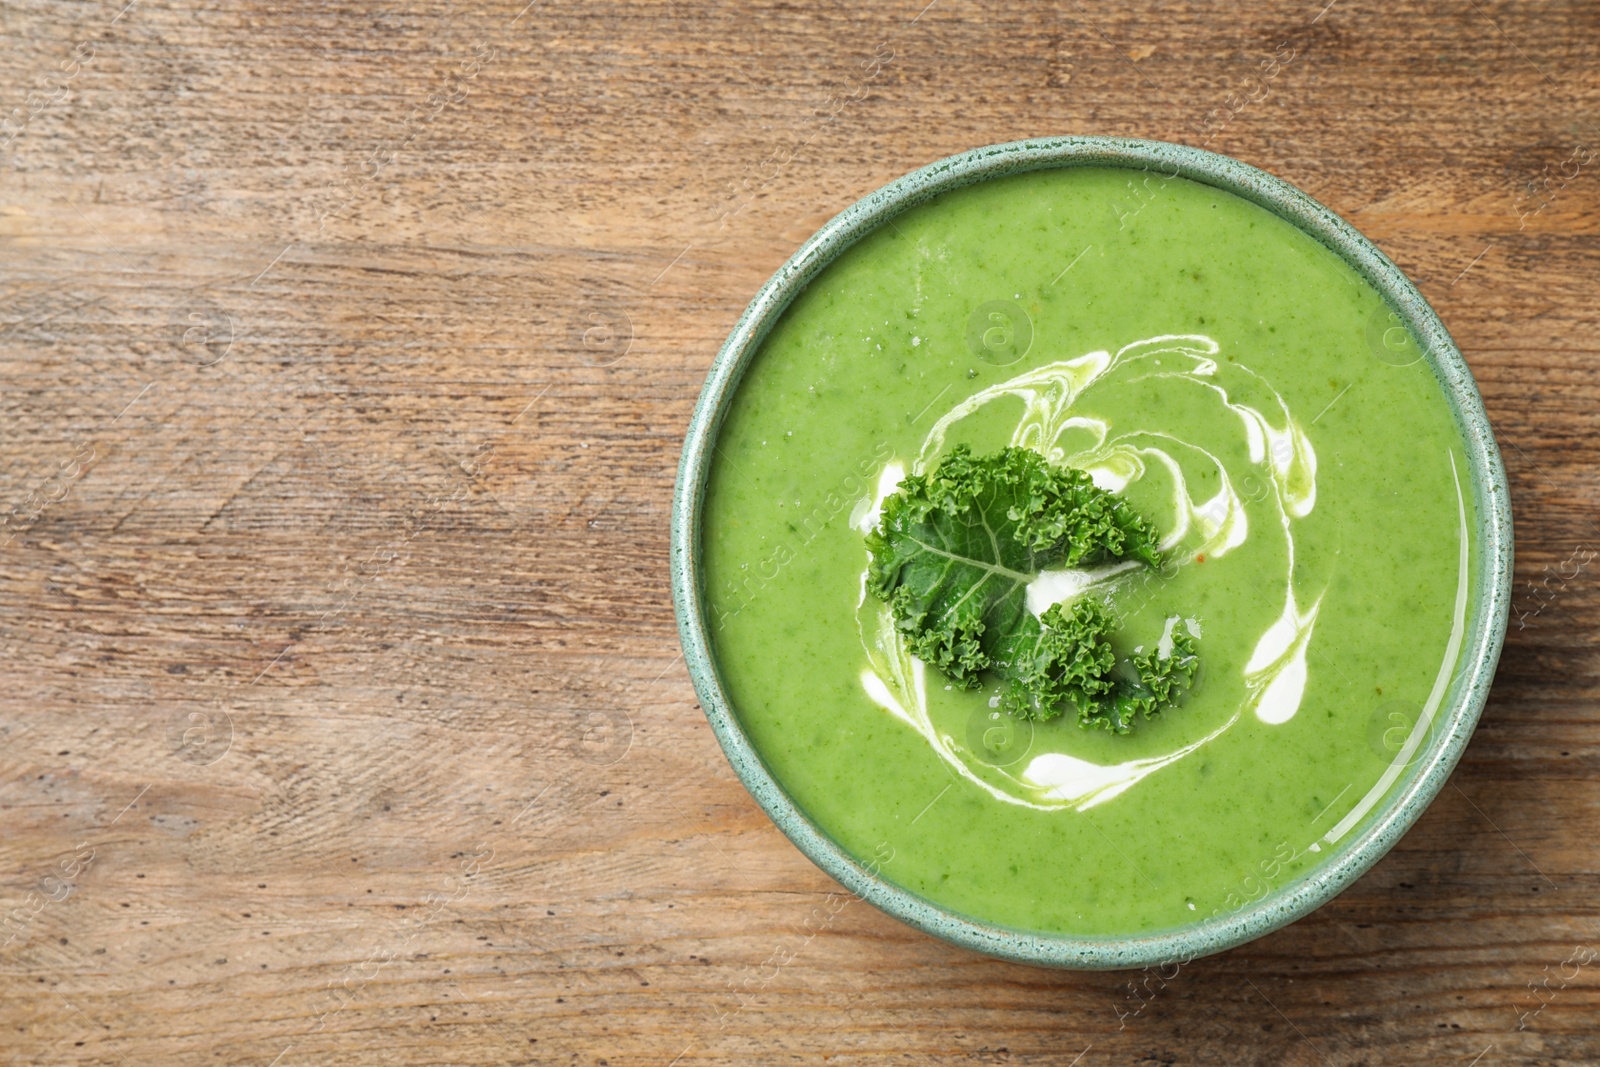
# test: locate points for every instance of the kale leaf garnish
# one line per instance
(953, 554)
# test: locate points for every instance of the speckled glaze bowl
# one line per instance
(1453, 724)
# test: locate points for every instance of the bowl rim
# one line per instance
(1491, 577)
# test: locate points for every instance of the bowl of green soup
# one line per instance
(1092, 552)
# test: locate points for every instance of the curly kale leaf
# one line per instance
(953, 555)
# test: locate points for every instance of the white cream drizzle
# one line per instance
(1058, 587)
(1080, 784)
(1275, 677)
(869, 510)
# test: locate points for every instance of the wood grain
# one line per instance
(346, 353)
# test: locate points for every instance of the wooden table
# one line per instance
(346, 354)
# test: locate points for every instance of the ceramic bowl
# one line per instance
(1454, 721)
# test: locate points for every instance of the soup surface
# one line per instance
(1239, 385)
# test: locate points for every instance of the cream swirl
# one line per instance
(1249, 476)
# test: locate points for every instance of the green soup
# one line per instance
(1245, 390)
